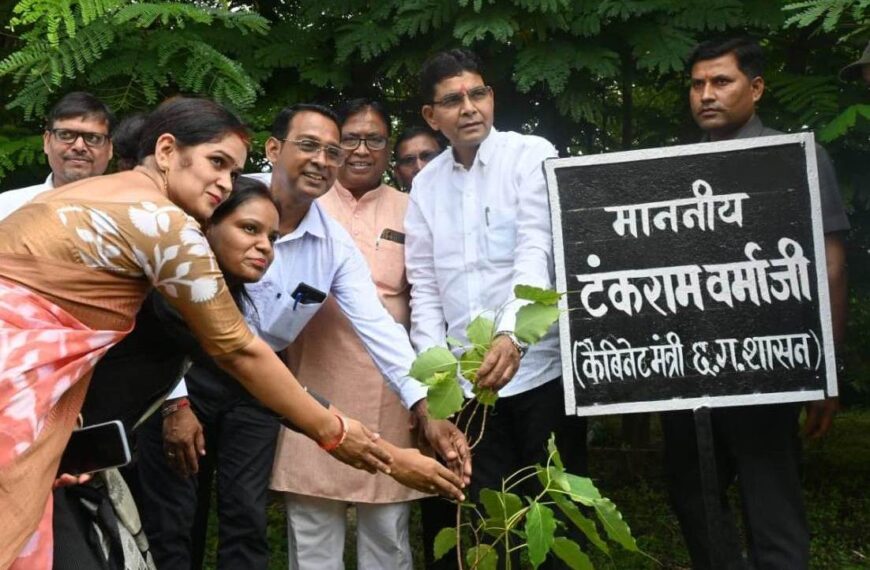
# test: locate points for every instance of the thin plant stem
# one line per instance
(459, 535)
(482, 428)
(471, 417)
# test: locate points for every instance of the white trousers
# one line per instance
(316, 530)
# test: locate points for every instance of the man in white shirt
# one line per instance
(315, 256)
(76, 143)
(478, 224)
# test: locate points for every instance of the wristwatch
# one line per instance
(522, 347)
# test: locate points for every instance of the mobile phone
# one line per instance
(306, 294)
(95, 448)
(393, 235)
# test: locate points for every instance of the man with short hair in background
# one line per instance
(77, 143)
(415, 147)
(757, 445)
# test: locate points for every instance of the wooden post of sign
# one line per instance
(716, 526)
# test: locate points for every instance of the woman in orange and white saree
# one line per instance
(75, 265)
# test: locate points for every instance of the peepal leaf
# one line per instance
(445, 541)
(454, 342)
(500, 506)
(569, 552)
(553, 478)
(435, 359)
(536, 294)
(482, 557)
(554, 452)
(586, 526)
(540, 526)
(479, 331)
(438, 377)
(486, 396)
(469, 362)
(533, 321)
(583, 490)
(444, 398)
(615, 527)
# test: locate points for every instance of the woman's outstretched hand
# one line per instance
(413, 469)
(360, 449)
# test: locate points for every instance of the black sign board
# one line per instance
(695, 276)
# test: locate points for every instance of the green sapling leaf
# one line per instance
(540, 526)
(431, 361)
(482, 557)
(536, 294)
(469, 362)
(500, 506)
(444, 398)
(615, 527)
(554, 452)
(583, 490)
(445, 541)
(480, 331)
(454, 342)
(586, 525)
(569, 552)
(486, 396)
(533, 321)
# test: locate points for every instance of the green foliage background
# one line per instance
(590, 75)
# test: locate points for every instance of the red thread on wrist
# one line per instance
(173, 406)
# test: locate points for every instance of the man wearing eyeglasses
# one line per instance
(316, 490)
(316, 260)
(478, 224)
(76, 142)
(415, 148)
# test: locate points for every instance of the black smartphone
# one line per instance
(95, 448)
(306, 294)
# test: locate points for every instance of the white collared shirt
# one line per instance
(11, 200)
(321, 254)
(472, 236)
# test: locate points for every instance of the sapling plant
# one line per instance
(505, 522)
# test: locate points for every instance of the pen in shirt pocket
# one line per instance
(486, 215)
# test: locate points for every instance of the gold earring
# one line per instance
(164, 176)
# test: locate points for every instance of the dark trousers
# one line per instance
(437, 513)
(240, 442)
(515, 436)
(760, 447)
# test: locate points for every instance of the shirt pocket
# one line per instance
(501, 235)
(290, 322)
(389, 269)
(278, 315)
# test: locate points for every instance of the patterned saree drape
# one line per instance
(46, 359)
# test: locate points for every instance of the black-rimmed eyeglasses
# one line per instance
(334, 155)
(69, 136)
(372, 143)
